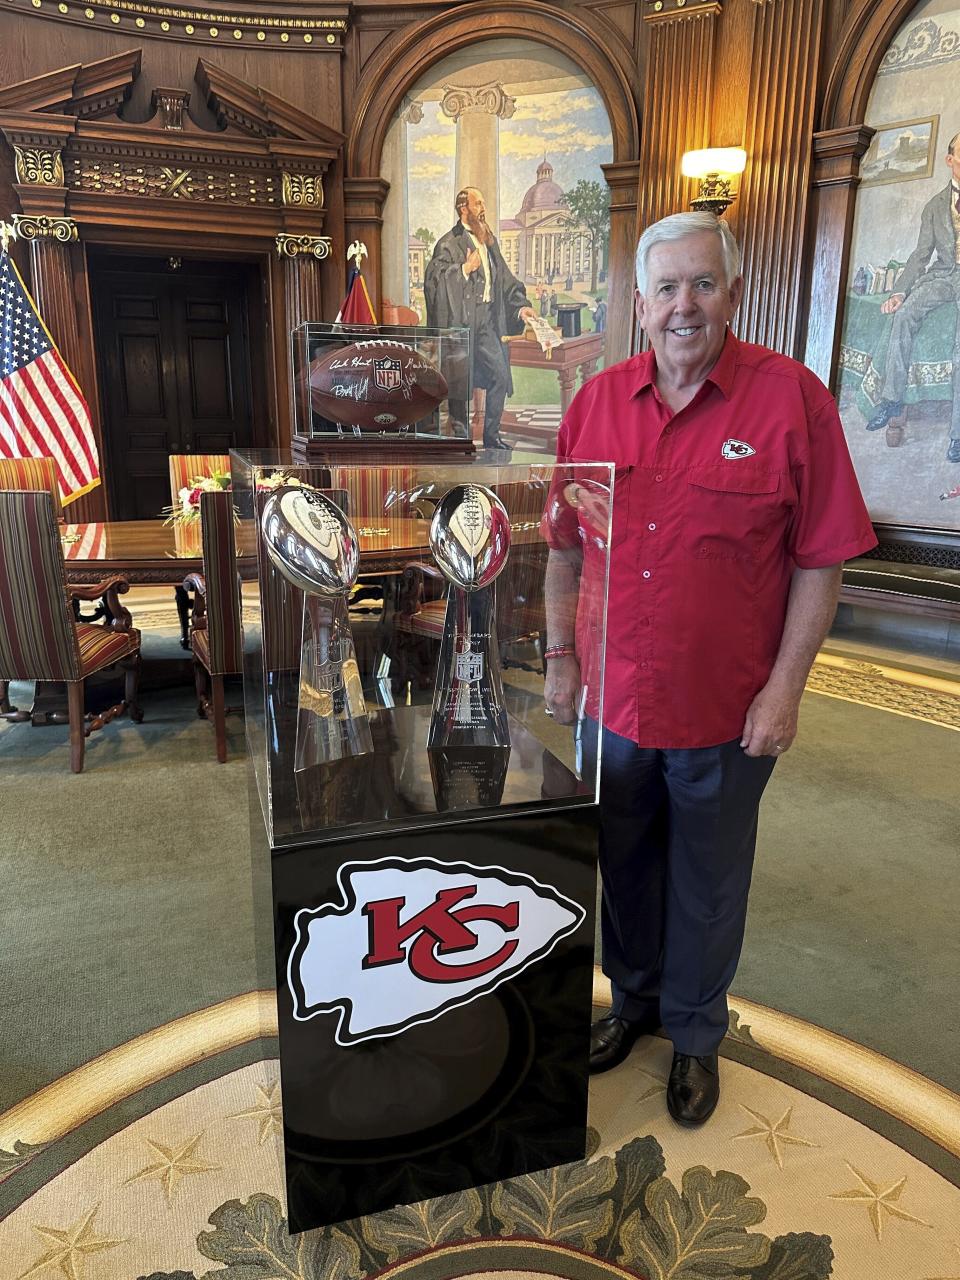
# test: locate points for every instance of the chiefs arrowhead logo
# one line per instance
(736, 449)
(412, 938)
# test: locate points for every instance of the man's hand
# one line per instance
(527, 313)
(893, 303)
(472, 263)
(562, 688)
(771, 723)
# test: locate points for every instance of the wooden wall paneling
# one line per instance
(772, 208)
(621, 318)
(677, 95)
(363, 200)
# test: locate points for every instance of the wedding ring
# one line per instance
(778, 747)
(547, 711)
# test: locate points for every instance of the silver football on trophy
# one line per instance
(310, 540)
(470, 536)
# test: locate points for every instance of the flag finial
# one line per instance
(357, 250)
(8, 232)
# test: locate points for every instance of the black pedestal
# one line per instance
(434, 984)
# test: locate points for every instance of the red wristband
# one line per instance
(560, 651)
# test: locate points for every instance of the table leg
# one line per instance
(183, 613)
(568, 383)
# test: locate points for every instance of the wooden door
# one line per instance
(175, 357)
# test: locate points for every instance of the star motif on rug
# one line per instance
(70, 1249)
(174, 1165)
(880, 1201)
(267, 1112)
(775, 1134)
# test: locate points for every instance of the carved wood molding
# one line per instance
(271, 25)
(83, 90)
(679, 10)
(837, 154)
(45, 228)
(866, 34)
(269, 161)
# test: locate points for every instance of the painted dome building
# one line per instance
(537, 243)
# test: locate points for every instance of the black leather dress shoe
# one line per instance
(612, 1038)
(693, 1089)
(884, 411)
(953, 451)
(496, 442)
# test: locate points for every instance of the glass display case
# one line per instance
(380, 383)
(431, 829)
(431, 684)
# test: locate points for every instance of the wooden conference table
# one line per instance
(146, 552)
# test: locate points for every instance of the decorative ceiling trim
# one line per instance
(263, 27)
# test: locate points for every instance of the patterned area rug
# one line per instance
(780, 1185)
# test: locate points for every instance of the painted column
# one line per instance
(396, 210)
(478, 112)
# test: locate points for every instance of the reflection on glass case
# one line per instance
(395, 620)
(389, 382)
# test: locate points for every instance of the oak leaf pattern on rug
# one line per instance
(621, 1208)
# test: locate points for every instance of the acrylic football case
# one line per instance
(316, 417)
(400, 612)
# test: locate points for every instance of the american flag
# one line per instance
(42, 412)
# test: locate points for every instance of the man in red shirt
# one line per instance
(735, 504)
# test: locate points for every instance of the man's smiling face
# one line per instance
(687, 305)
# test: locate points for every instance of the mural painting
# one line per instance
(498, 219)
(899, 381)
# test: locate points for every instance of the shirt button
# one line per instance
(644, 665)
(658, 478)
(651, 527)
(646, 573)
(667, 430)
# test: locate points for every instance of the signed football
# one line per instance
(376, 385)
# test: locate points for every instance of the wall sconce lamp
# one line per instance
(716, 168)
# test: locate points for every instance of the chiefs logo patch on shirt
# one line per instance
(737, 449)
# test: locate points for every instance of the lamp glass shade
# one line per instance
(697, 164)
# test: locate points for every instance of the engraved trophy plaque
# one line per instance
(470, 540)
(312, 543)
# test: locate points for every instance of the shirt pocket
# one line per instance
(732, 510)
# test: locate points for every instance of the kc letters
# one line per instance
(413, 938)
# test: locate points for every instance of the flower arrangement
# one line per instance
(277, 480)
(187, 507)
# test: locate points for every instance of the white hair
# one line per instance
(676, 227)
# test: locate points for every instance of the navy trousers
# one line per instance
(677, 839)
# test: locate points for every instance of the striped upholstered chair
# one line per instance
(39, 638)
(32, 473)
(184, 469)
(216, 637)
(26, 473)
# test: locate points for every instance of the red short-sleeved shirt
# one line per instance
(714, 507)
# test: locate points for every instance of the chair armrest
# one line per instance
(197, 583)
(109, 590)
(93, 591)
